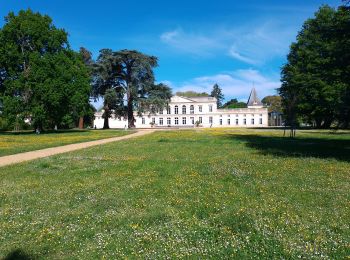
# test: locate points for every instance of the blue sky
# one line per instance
(233, 43)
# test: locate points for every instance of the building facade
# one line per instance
(200, 111)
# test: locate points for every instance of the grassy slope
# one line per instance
(216, 193)
(11, 143)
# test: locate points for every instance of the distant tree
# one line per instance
(234, 103)
(315, 80)
(191, 93)
(274, 103)
(40, 77)
(217, 93)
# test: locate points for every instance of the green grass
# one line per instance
(12, 143)
(207, 193)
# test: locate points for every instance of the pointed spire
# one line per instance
(253, 99)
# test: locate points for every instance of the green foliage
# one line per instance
(217, 93)
(191, 93)
(274, 103)
(316, 79)
(261, 197)
(130, 74)
(233, 103)
(42, 79)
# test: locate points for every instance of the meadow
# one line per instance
(12, 143)
(175, 194)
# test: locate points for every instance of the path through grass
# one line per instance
(12, 143)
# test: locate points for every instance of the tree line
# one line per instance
(45, 83)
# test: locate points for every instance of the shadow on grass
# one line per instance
(338, 149)
(18, 254)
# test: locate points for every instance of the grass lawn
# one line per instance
(206, 193)
(12, 143)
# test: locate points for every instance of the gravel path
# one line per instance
(27, 156)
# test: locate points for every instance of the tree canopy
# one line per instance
(316, 79)
(234, 103)
(274, 103)
(191, 93)
(130, 74)
(42, 79)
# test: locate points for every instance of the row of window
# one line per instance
(184, 109)
(200, 119)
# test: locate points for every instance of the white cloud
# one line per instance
(234, 54)
(236, 84)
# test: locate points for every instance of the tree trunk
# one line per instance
(81, 122)
(131, 119)
(106, 117)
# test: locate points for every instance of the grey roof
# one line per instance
(253, 99)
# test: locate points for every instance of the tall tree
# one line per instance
(106, 75)
(86, 56)
(217, 93)
(41, 78)
(130, 74)
(315, 80)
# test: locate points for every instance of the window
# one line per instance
(143, 121)
(200, 108)
(220, 121)
(191, 109)
(184, 109)
(184, 120)
(200, 120)
(168, 121)
(210, 108)
(168, 110)
(236, 121)
(161, 112)
(176, 120)
(192, 120)
(260, 121)
(176, 109)
(153, 120)
(228, 121)
(210, 120)
(160, 121)
(252, 121)
(244, 121)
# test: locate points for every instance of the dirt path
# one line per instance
(27, 156)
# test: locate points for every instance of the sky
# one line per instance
(236, 44)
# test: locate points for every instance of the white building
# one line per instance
(185, 112)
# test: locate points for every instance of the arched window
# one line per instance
(168, 110)
(183, 109)
(191, 109)
(176, 109)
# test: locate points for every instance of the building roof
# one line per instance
(177, 99)
(253, 99)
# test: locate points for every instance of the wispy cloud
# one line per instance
(254, 43)
(236, 84)
(194, 43)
